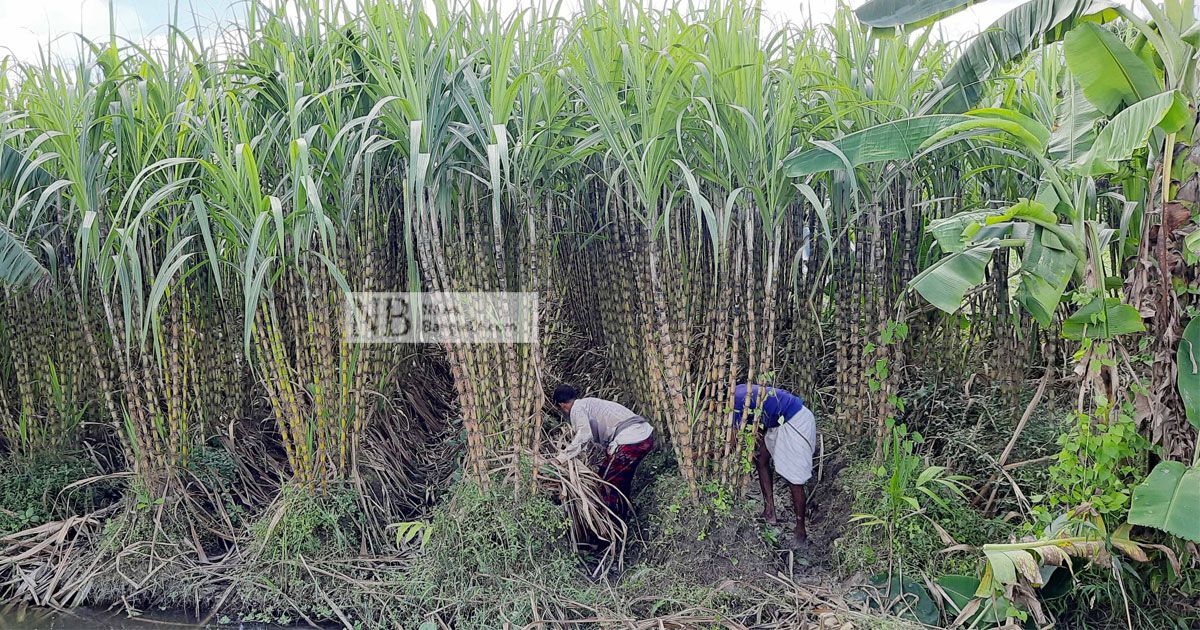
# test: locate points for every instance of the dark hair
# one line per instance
(564, 394)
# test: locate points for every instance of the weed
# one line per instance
(1098, 464)
(32, 490)
(482, 549)
(302, 523)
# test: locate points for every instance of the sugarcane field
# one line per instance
(613, 314)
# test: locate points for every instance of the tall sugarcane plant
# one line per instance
(699, 198)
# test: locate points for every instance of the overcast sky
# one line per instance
(26, 25)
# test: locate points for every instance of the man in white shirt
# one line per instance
(625, 436)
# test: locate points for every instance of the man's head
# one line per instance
(564, 397)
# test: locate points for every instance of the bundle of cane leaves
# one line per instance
(579, 489)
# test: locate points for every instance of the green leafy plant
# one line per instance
(411, 534)
(1098, 464)
(907, 485)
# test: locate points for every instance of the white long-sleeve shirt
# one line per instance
(607, 415)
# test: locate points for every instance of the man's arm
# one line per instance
(583, 434)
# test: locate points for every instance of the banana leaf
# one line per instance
(1046, 269)
(1187, 360)
(945, 283)
(19, 266)
(1076, 119)
(894, 140)
(1129, 130)
(888, 14)
(1109, 73)
(1169, 500)
(1103, 318)
(1026, 27)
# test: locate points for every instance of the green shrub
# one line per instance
(309, 524)
(915, 545)
(32, 490)
(486, 549)
(1098, 464)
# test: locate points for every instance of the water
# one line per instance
(33, 618)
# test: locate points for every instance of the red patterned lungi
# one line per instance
(619, 468)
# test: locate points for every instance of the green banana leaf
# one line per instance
(1187, 360)
(950, 231)
(1103, 318)
(894, 140)
(1129, 130)
(909, 600)
(960, 589)
(1026, 27)
(945, 283)
(1046, 269)
(1109, 73)
(1075, 133)
(955, 232)
(886, 14)
(1169, 499)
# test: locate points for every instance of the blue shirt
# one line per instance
(778, 405)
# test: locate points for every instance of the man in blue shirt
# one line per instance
(789, 439)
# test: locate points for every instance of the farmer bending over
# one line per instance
(625, 436)
(791, 434)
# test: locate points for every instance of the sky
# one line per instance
(28, 26)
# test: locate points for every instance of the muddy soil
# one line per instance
(710, 546)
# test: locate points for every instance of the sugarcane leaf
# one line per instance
(1110, 75)
(890, 141)
(254, 287)
(1129, 130)
(171, 266)
(1187, 359)
(19, 266)
(1169, 500)
(1103, 318)
(886, 14)
(945, 283)
(1046, 268)
(1026, 27)
(700, 202)
(18, 172)
(201, 211)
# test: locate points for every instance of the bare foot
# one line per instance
(769, 515)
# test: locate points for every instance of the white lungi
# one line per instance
(791, 445)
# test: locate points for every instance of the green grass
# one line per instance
(32, 490)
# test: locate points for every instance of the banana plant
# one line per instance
(1028, 26)
(1060, 238)
(1013, 571)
